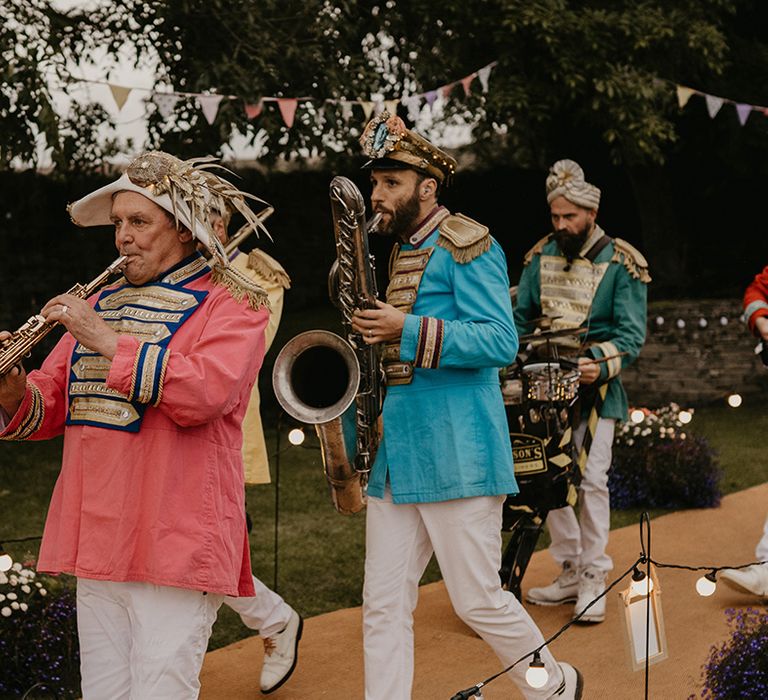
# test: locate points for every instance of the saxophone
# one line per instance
(318, 375)
(18, 346)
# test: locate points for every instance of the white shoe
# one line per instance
(564, 589)
(573, 684)
(591, 585)
(753, 579)
(280, 654)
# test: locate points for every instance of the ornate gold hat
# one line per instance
(391, 146)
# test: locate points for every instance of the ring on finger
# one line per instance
(64, 308)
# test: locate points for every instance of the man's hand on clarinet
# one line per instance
(589, 369)
(77, 316)
(379, 325)
(13, 384)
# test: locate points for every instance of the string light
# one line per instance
(641, 584)
(707, 584)
(734, 400)
(296, 436)
(685, 417)
(536, 676)
(637, 416)
(5, 560)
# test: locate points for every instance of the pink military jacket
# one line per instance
(164, 504)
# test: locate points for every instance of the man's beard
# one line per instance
(403, 219)
(571, 243)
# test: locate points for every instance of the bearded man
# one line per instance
(444, 463)
(577, 276)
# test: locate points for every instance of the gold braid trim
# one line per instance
(239, 286)
(268, 268)
(632, 259)
(32, 421)
(464, 238)
(536, 250)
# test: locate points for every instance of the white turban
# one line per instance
(566, 179)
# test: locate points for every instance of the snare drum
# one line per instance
(548, 381)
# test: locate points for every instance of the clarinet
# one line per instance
(18, 346)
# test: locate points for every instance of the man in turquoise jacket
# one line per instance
(581, 278)
(444, 463)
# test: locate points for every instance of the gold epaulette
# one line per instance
(239, 286)
(464, 238)
(536, 250)
(632, 259)
(268, 268)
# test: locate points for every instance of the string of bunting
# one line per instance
(715, 103)
(209, 103)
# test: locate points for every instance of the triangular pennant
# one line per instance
(367, 109)
(683, 95)
(483, 74)
(209, 104)
(288, 107)
(446, 89)
(391, 106)
(120, 94)
(713, 104)
(166, 103)
(430, 97)
(346, 110)
(466, 82)
(378, 107)
(253, 110)
(743, 111)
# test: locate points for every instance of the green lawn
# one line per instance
(321, 552)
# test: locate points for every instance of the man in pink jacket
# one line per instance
(149, 387)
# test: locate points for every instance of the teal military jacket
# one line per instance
(607, 295)
(445, 432)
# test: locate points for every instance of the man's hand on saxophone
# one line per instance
(79, 318)
(379, 325)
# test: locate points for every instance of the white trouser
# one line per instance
(265, 612)
(762, 547)
(465, 535)
(139, 641)
(583, 542)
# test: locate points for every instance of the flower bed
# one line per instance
(658, 463)
(39, 654)
(738, 668)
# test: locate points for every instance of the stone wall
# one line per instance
(696, 352)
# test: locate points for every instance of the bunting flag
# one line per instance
(120, 94)
(466, 82)
(391, 106)
(166, 103)
(288, 107)
(484, 74)
(209, 104)
(253, 110)
(743, 111)
(346, 110)
(713, 104)
(367, 109)
(683, 95)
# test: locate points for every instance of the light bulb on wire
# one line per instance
(5, 560)
(685, 417)
(536, 676)
(637, 416)
(641, 584)
(734, 400)
(296, 436)
(706, 585)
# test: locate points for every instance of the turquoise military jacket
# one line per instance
(445, 434)
(615, 318)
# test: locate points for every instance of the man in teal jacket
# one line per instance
(444, 464)
(580, 277)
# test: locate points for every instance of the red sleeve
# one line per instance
(756, 299)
